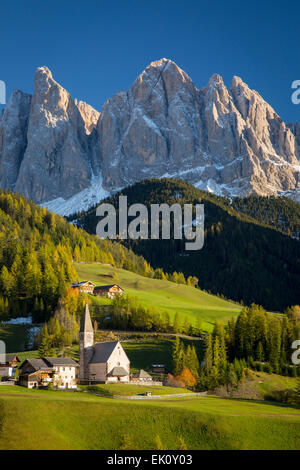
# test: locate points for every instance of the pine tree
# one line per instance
(166, 321)
(260, 352)
(56, 332)
(198, 325)
(175, 355)
(32, 277)
(208, 355)
(195, 366)
(186, 325)
(180, 362)
(177, 323)
(44, 344)
(230, 377)
(216, 352)
(6, 281)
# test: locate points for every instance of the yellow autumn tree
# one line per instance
(186, 378)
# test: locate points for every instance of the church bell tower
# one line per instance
(86, 343)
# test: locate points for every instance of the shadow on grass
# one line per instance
(260, 402)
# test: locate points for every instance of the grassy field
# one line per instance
(33, 419)
(270, 383)
(164, 295)
(127, 390)
(142, 355)
(261, 386)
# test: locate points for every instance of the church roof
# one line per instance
(61, 361)
(103, 351)
(86, 322)
(118, 372)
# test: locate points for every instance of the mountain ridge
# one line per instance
(63, 153)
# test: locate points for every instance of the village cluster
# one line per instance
(99, 363)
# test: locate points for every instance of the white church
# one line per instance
(100, 362)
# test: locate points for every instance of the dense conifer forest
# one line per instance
(243, 258)
(279, 212)
(37, 248)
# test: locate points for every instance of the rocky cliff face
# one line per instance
(226, 140)
(229, 141)
(56, 161)
(13, 137)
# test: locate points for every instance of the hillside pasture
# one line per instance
(163, 295)
(72, 420)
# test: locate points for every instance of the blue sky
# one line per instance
(96, 48)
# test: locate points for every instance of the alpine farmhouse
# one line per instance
(60, 371)
(88, 287)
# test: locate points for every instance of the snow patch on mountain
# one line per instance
(80, 201)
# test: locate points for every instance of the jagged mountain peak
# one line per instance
(162, 70)
(238, 81)
(162, 64)
(44, 81)
(62, 152)
(216, 79)
(43, 70)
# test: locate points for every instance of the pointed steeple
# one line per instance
(86, 322)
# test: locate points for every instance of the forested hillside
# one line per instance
(242, 258)
(36, 252)
(280, 212)
(255, 339)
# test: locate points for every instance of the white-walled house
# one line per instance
(64, 372)
(60, 371)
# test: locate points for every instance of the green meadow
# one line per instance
(164, 295)
(129, 390)
(36, 419)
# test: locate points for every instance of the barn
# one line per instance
(109, 291)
